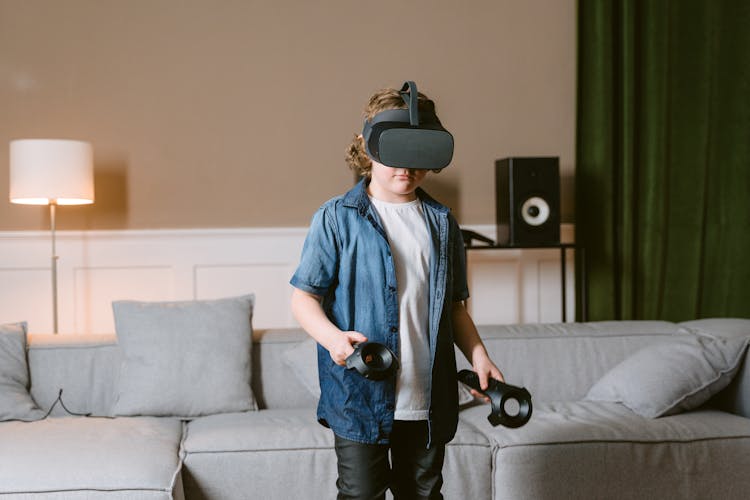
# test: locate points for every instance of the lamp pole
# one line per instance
(52, 207)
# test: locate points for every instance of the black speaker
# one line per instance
(527, 199)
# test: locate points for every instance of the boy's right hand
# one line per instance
(308, 311)
(342, 347)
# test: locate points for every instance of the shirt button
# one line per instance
(394, 329)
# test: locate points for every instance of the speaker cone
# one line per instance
(535, 211)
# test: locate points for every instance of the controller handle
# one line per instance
(499, 393)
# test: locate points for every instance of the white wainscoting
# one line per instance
(97, 267)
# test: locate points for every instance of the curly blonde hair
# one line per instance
(356, 155)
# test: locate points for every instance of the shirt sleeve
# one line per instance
(318, 265)
(460, 290)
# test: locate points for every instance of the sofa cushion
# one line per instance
(607, 451)
(184, 359)
(15, 401)
(736, 397)
(578, 421)
(222, 449)
(93, 457)
(589, 349)
(302, 361)
(672, 376)
(84, 367)
(265, 452)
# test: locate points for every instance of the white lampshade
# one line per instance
(44, 171)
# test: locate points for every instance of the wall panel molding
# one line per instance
(97, 267)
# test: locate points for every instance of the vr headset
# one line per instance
(402, 138)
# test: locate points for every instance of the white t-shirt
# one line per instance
(405, 225)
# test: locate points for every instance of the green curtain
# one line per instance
(663, 158)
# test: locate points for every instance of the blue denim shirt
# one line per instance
(347, 260)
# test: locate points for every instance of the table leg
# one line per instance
(563, 284)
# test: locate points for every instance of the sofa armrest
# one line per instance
(736, 397)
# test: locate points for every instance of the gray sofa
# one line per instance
(572, 447)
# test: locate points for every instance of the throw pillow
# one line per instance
(15, 401)
(184, 359)
(302, 360)
(671, 377)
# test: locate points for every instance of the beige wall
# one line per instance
(236, 113)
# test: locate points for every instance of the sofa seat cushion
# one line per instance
(69, 457)
(567, 448)
(282, 453)
(256, 431)
(286, 453)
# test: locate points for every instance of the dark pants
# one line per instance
(415, 473)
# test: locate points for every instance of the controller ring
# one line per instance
(373, 360)
(500, 393)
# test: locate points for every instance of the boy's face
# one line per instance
(395, 185)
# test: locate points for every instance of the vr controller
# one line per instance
(499, 394)
(404, 138)
(373, 360)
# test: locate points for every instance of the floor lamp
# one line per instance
(51, 172)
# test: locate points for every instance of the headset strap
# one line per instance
(411, 98)
(391, 115)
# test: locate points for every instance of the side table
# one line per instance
(580, 257)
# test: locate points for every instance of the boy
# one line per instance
(385, 263)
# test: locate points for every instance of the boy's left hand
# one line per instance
(485, 368)
(468, 340)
